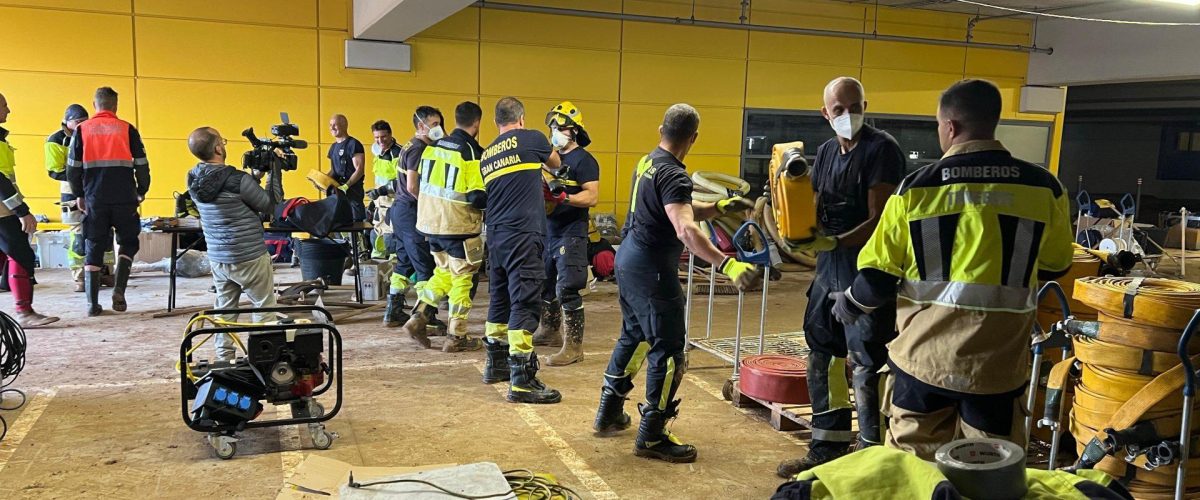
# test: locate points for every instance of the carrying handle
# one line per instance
(1189, 381)
(1084, 200)
(1127, 204)
(749, 255)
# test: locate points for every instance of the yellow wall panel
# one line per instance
(822, 15)
(1003, 63)
(608, 178)
(550, 30)
(600, 118)
(907, 22)
(33, 39)
(655, 38)
(593, 5)
(805, 49)
(363, 107)
(905, 92)
(116, 6)
(626, 164)
(913, 57)
(791, 86)
(301, 13)
(230, 107)
(648, 78)
(1012, 31)
(206, 50)
(38, 100)
(524, 70)
(720, 129)
(462, 25)
(334, 14)
(31, 166)
(445, 66)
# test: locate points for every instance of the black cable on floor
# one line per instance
(12, 361)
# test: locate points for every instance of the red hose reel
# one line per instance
(776, 378)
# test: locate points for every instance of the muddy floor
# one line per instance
(103, 416)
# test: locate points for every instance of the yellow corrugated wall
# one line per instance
(235, 63)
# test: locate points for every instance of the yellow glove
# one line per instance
(819, 243)
(744, 276)
(344, 187)
(734, 204)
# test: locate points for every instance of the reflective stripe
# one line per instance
(496, 331)
(642, 167)
(839, 388)
(568, 182)
(832, 436)
(520, 167)
(1023, 246)
(931, 243)
(14, 201)
(108, 163)
(635, 361)
(668, 380)
(968, 295)
(141, 161)
(443, 193)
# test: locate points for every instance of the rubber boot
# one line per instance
(21, 284)
(819, 452)
(524, 387)
(572, 348)
(91, 285)
(457, 339)
(611, 416)
(548, 333)
(655, 441)
(122, 279)
(415, 326)
(495, 368)
(395, 314)
(106, 277)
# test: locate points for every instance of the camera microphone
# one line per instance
(299, 144)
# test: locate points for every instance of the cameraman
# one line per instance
(232, 206)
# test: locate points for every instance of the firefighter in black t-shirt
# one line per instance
(852, 177)
(516, 223)
(572, 190)
(660, 223)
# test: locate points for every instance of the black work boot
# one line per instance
(611, 416)
(122, 278)
(395, 314)
(819, 452)
(495, 368)
(91, 285)
(549, 332)
(524, 387)
(655, 441)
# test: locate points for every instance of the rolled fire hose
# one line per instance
(984, 468)
(1129, 378)
(714, 186)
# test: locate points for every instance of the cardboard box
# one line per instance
(1191, 238)
(153, 246)
(374, 276)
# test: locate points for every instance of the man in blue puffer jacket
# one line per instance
(232, 208)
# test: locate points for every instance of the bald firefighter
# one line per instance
(572, 190)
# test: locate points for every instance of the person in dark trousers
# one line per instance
(56, 167)
(110, 176)
(661, 222)
(516, 220)
(232, 206)
(16, 226)
(852, 177)
(347, 166)
(576, 188)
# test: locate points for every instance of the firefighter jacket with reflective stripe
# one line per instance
(383, 166)
(966, 237)
(11, 201)
(106, 162)
(451, 187)
(56, 159)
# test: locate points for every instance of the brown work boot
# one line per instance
(32, 319)
(548, 333)
(457, 339)
(79, 284)
(572, 349)
(415, 326)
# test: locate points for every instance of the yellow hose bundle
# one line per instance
(1130, 373)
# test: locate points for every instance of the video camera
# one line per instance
(270, 153)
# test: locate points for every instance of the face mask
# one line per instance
(376, 149)
(436, 133)
(559, 139)
(847, 124)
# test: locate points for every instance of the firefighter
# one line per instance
(576, 189)
(109, 176)
(450, 216)
(661, 222)
(385, 160)
(56, 167)
(852, 176)
(516, 220)
(960, 247)
(16, 226)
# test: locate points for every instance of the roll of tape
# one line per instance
(984, 468)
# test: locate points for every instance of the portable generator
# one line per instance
(291, 361)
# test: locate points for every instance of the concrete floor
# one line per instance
(104, 420)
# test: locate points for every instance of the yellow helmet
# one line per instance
(322, 181)
(566, 114)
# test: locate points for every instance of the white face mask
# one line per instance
(559, 139)
(436, 133)
(376, 149)
(847, 124)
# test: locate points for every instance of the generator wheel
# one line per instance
(315, 408)
(321, 439)
(226, 450)
(727, 390)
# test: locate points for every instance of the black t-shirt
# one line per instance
(579, 167)
(512, 175)
(659, 180)
(410, 159)
(341, 157)
(842, 181)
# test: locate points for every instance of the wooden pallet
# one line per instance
(786, 417)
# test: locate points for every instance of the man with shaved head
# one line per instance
(233, 206)
(852, 176)
(347, 159)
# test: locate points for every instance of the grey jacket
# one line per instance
(232, 209)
